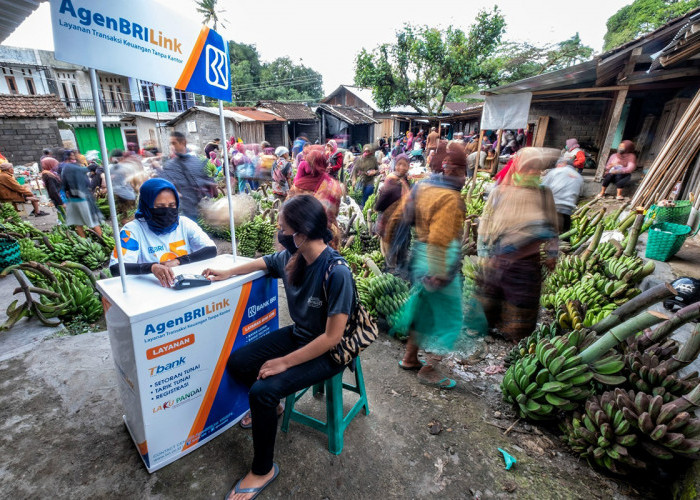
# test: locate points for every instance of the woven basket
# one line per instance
(9, 252)
(665, 239)
(675, 215)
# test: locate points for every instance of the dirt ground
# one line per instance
(63, 437)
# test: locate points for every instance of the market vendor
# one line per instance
(159, 239)
(13, 192)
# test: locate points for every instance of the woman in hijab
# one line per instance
(619, 169)
(335, 159)
(365, 170)
(519, 224)
(393, 191)
(52, 183)
(81, 209)
(159, 239)
(281, 173)
(574, 155)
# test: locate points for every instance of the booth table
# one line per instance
(170, 349)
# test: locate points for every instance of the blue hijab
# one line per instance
(148, 194)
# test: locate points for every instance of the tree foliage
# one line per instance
(425, 64)
(642, 17)
(515, 61)
(281, 79)
(210, 12)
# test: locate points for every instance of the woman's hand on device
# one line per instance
(165, 274)
(217, 275)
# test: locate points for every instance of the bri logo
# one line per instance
(157, 370)
(217, 70)
(256, 308)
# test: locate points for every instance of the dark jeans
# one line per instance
(265, 394)
(620, 180)
(367, 191)
(564, 223)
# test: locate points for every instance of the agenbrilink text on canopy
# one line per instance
(86, 17)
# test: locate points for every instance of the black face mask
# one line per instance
(163, 219)
(287, 241)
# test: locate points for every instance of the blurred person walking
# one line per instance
(281, 173)
(364, 173)
(187, 173)
(433, 313)
(392, 192)
(52, 183)
(519, 223)
(81, 209)
(566, 184)
(334, 158)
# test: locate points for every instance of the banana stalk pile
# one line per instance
(65, 292)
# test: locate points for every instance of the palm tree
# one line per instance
(208, 8)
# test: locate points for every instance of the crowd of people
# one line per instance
(518, 236)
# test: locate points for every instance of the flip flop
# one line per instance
(422, 364)
(255, 491)
(444, 383)
(250, 425)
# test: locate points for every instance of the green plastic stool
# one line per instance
(336, 423)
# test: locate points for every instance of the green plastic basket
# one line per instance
(665, 239)
(675, 215)
(9, 253)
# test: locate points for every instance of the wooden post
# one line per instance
(478, 156)
(494, 168)
(285, 132)
(604, 153)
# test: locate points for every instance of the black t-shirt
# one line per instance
(308, 305)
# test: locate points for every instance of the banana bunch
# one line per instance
(570, 315)
(476, 205)
(583, 291)
(88, 252)
(246, 240)
(363, 292)
(9, 214)
(30, 251)
(608, 250)
(266, 232)
(628, 269)
(594, 315)
(389, 293)
(527, 345)
(61, 252)
(77, 295)
(602, 435)
(555, 379)
(668, 430)
(569, 269)
(655, 370)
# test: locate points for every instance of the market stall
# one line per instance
(170, 349)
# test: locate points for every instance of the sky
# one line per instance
(327, 36)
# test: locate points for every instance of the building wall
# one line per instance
(274, 134)
(208, 128)
(567, 119)
(22, 140)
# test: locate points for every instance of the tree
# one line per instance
(642, 17)
(281, 79)
(425, 64)
(515, 61)
(209, 9)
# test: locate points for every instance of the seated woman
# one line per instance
(296, 356)
(619, 169)
(159, 239)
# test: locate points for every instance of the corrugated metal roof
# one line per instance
(32, 106)
(571, 76)
(14, 12)
(256, 114)
(348, 114)
(160, 116)
(289, 110)
(365, 95)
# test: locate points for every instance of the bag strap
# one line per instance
(331, 266)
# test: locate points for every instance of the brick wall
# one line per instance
(22, 140)
(567, 119)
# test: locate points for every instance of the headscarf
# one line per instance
(628, 155)
(49, 163)
(81, 160)
(571, 144)
(402, 157)
(148, 194)
(317, 164)
(437, 158)
(281, 151)
(528, 165)
(48, 167)
(333, 145)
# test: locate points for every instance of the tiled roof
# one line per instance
(256, 114)
(289, 110)
(348, 114)
(32, 106)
